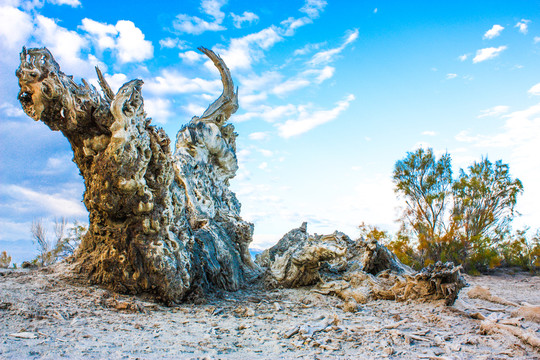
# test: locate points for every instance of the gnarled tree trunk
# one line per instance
(161, 222)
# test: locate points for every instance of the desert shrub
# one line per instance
(401, 245)
(522, 251)
(5, 260)
(462, 220)
(62, 245)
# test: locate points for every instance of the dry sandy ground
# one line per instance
(44, 316)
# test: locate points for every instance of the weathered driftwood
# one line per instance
(165, 222)
(161, 221)
(356, 271)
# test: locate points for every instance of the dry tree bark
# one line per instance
(161, 222)
(355, 270)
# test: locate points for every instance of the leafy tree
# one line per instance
(425, 183)
(461, 221)
(484, 199)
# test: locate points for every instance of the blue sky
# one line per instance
(332, 94)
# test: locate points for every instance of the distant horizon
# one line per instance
(331, 95)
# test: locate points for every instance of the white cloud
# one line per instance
(158, 109)
(304, 79)
(519, 138)
(66, 45)
(194, 109)
(172, 82)
(323, 74)
(309, 120)
(535, 90)
(55, 204)
(15, 28)
(265, 153)
(104, 34)
(56, 165)
(290, 85)
(246, 17)
(268, 113)
(429, 133)
(329, 55)
(173, 43)
(116, 81)
(308, 48)
(191, 56)
(523, 26)
(258, 136)
(263, 165)
(313, 8)
(12, 111)
(242, 52)
(463, 57)
(124, 38)
(493, 32)
(536, 39)
(131, 44)
(72, 3)
(451, 76)
(488, 53)
(195, 25)
(291, 24)
(375, 10)
(494, 111)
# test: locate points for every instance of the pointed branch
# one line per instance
(107, 92)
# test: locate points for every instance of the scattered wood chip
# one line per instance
(528, 312)
(528, 337)
(24, 335)
(483, 293)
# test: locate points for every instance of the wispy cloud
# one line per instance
(535, 90)
(173, 43)
(304, 79)
(242, 52)
(195, 25)
(488, 53)
(463, 57)
(493, 32)
(326, 56)
(451, 76)
(429, 133)
(308, 120)
(313, 8)
(523, 26)
(54, 204)
(246, 17)
(308, 48)
(494, 111)
(519, 138)
(72, 3)
(173, 82)
(259, 135)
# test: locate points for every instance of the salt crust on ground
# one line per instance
(44, 315)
